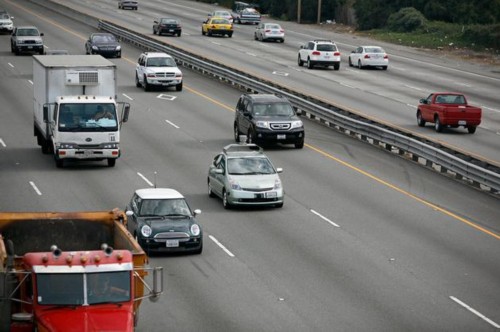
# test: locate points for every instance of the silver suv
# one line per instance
(319, 53)
(157, 69)
(26, 39)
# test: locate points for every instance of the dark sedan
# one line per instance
(104, 44)
(162, 221)
(167, 25)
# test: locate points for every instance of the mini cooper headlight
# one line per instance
(195, 229)
(146, 231)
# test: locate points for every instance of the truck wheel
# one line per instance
(420, 120)
(437, 125)
(45, 146)
(111, 162)
(137, 83)
(178, 87)
(145, 84)
(237, 133)
(41, 52)
(59, 162)
(299, 145)
(471, 130)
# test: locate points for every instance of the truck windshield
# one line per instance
(80, 288)
(87, 117)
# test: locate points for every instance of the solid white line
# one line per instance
(412, 105)
(413, 87)
(2, 142)
(216, 43)
(10, 64)
(221, 246)
(348, 86)
(145, 179)
(251, 54)
(35, 188)
(491, 109)
(474, 311)
(325, 218)
(128, 97)
(172, 124)
(31, 82)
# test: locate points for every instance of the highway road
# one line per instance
(366, 241)
(387, 96)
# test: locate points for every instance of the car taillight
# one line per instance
(268, 31)
(367, 56)
(282, 30)
(316, 53)
(386, 56)
(213, 26)
(336, 53)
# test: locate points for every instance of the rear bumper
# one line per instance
(169, 31)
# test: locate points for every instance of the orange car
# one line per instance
(217, 26)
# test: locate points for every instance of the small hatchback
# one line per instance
(243, 175)
(369, 56)
(162, 221)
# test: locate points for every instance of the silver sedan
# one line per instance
(269, 31)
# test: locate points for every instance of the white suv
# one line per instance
(157, 69)
(319, 53)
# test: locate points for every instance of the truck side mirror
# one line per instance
(126, 113)
(157, 284)
(45, 113)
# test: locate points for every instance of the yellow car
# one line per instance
(217, 26)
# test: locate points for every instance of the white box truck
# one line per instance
(76, 115)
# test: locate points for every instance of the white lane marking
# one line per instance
(251, 54)
(463, 84)
(413, 106)
(145, 179)
(347, 85)
(413, 87)
(474, 311)
(172, 124)
(221, 245)
(35, 188)
(2, 142)
(280, 73)
(216, 43)
(491, 109)
(10, 64)
(325, 218)
(126, 96)
(31, 82)
(166, 97)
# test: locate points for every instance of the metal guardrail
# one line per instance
(430, 154)
(365, 130)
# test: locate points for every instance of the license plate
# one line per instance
(88, 153)
(281, 136)
(271, 194)
(462, 123)
(30, 47)
(172, 243)
(170, 30)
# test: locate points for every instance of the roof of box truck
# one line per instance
(73, 61)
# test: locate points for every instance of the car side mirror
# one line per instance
(279, 170)
(41, 34)
(353, 51)
(129, 213)
(155, 22)
(301, 47)
(423, 101)
(218, 171)
(197, 212)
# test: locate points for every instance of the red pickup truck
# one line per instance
(448, 109)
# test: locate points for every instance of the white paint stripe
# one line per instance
(126, 96)
(221, 245)
(2, 142)
(413, 87)
(216, 43)
(474, 311)
(347, 85)
(412, 105)
(325, 218)
(251, 54)
(10, 64)
(35, 188)
(145, 179)
(172, 124)
(31, 82)
(491, 109)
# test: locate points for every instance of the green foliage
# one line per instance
(406, 20)
(483, 35)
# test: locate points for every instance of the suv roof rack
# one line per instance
(244, 147)
(323, 40)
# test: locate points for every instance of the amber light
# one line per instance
(69, 259)
(97, 258)
(83, 259)
(45, 259)
(119, 256)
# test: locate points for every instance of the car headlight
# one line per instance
(262, 124)
(95, 47)
(146, 231)
(195, 229)
(297, 124)
(178, 75)
(111, 146)
(66, 146)
(118, 47)
(277, 184)
(234, 185)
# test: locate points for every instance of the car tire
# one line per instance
(255, 36)
(59, 162)
(225, 202)
(299, 145)
(12, 48)
(230, 35)
(178, 87)
(471, 129)
(279, 205)
(437, 124)
(154, 31)
(251, 137)
(209, 33)
(111, 162)
(137, 83)
(384, 67)
(420, 119)
(210, 191)
(178, 34)
(299, 61)
(203, 32)
(336, 66)
(360, 66)
(237, 133)
(309, 64)
(350, 62)
(199, 251)
(145, 84)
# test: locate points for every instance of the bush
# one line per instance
(406, 20)
(484, 35)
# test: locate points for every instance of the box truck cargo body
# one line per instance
(76, 115)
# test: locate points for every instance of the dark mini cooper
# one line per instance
(162, 221)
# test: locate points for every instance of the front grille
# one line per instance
(280, 126)
(30, 41)
(257, 189)
(165, 74)
(163, 237)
